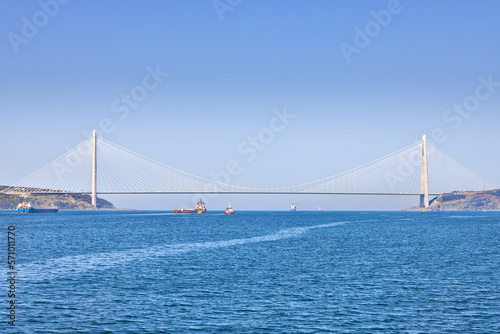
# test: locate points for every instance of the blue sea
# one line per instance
(253, 272)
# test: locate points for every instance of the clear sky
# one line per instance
(362, 79)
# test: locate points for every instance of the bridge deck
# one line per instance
(265, 192)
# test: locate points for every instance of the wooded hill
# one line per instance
(488, 200)
(63, 202)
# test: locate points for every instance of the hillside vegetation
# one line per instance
(488, 200)
(63, 202)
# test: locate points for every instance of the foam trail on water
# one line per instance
(79, 264)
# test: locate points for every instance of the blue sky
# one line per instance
(229, 66)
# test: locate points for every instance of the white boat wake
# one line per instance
(79, 264)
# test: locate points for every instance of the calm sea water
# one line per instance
(254, 272)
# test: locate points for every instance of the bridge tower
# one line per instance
(424, 179)
(94, 171)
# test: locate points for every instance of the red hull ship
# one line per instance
(229, 210)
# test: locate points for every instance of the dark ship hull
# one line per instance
(39, 210)
(187, 211)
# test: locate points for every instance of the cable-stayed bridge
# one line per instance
(98, 166)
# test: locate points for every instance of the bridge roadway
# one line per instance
(265, 192)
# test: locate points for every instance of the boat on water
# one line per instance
(229, 210)
(293, 207)
(319, 208)
(26, 207)
(200, 208)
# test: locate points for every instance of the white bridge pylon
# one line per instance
(98, 166)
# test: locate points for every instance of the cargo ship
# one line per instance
(200, 208)
(27, 208)
(229, 210)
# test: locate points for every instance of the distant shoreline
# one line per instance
(487, 200)
(85, 210)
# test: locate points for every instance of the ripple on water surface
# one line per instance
(153, 272)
